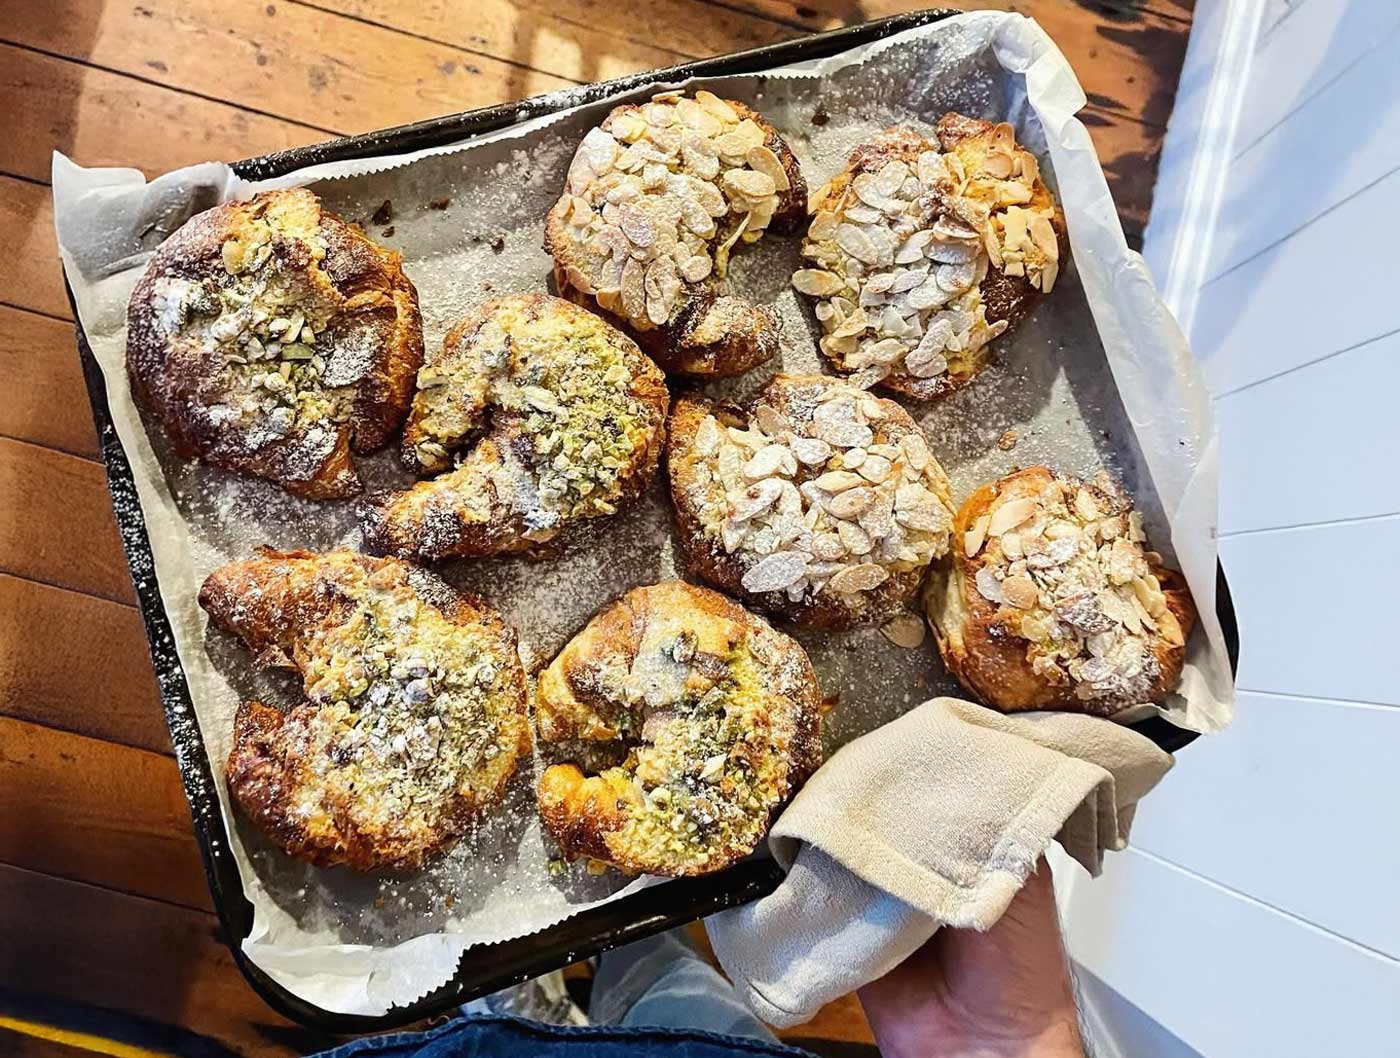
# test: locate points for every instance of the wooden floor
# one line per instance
(105, 920)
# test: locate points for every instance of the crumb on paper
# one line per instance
(388, 232)
(1007, 441)
(498, 244)
(440, 203)
(384, 214)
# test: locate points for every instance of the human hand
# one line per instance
(1004, 993)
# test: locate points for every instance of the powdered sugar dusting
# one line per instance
(1049, 385)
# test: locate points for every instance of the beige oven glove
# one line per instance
(934, 819)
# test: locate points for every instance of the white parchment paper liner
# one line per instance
(1149, 423)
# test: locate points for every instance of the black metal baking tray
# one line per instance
(487, 968)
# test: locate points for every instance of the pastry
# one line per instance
(1052, 602)
(656, 198)
(719, 717)
(414, 716)
(271, 338)
(923, 250)
(820, 503)
(554, 417)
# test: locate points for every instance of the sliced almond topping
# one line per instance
(906, 630)
(989, 587)
(855, 539)
(859, 578)
(1010, 514)
(756, 499)
(817, 283)
(974, 538)
(767, 462)
(838, 481)
(852, 502)
(1084, 505)
(828, 547)
(766, 162)
(857, 243)
(810, 450)
(1020, 592)
(776, 571)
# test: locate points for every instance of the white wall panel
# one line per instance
(1317, 610)
(1313, 445)
(1306, 49)
(1329, 287)
(1228, 976)
(1344, 138)
(1282, 806)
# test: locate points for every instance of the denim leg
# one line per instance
(662, 981)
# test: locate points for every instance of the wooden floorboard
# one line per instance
(46, 400)
(102, 901)
(30, 274)
(99, 813)
(303, 64)
(109, 694)
(85, 945)
(56, 523)
(555, 39)
(102, 118)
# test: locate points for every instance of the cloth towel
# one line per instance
(934, 819)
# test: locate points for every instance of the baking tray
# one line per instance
(485, 968)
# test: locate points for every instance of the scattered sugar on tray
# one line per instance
(497, 878)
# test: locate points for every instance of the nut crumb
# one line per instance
(384, 214)
(1007, 441)
(498, 244)
(440, 203)
(389, 231)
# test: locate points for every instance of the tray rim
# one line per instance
(484, 968)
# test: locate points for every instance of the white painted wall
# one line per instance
(1258, 911)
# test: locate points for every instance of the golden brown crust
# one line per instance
(979, 298)
(981, 641)
(522, 383)
(414, 716)
(698, 330)
(718, 550)
(721, 715)
(206, 350)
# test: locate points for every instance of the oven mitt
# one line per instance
(934, 819)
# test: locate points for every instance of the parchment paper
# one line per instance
(1098, 378)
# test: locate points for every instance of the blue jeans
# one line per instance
(656, 997)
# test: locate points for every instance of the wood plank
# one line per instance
(46, 401)
(1308, 633)
(1343, 404)
(56, 523)
(1175, 944)
(300, 63)
(80, 944)
(30, 274)
(99, 813)
(1238, 805)
(101, 118)
(73, 107)
(112, 695)
(1127, 59)
(555, 38)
